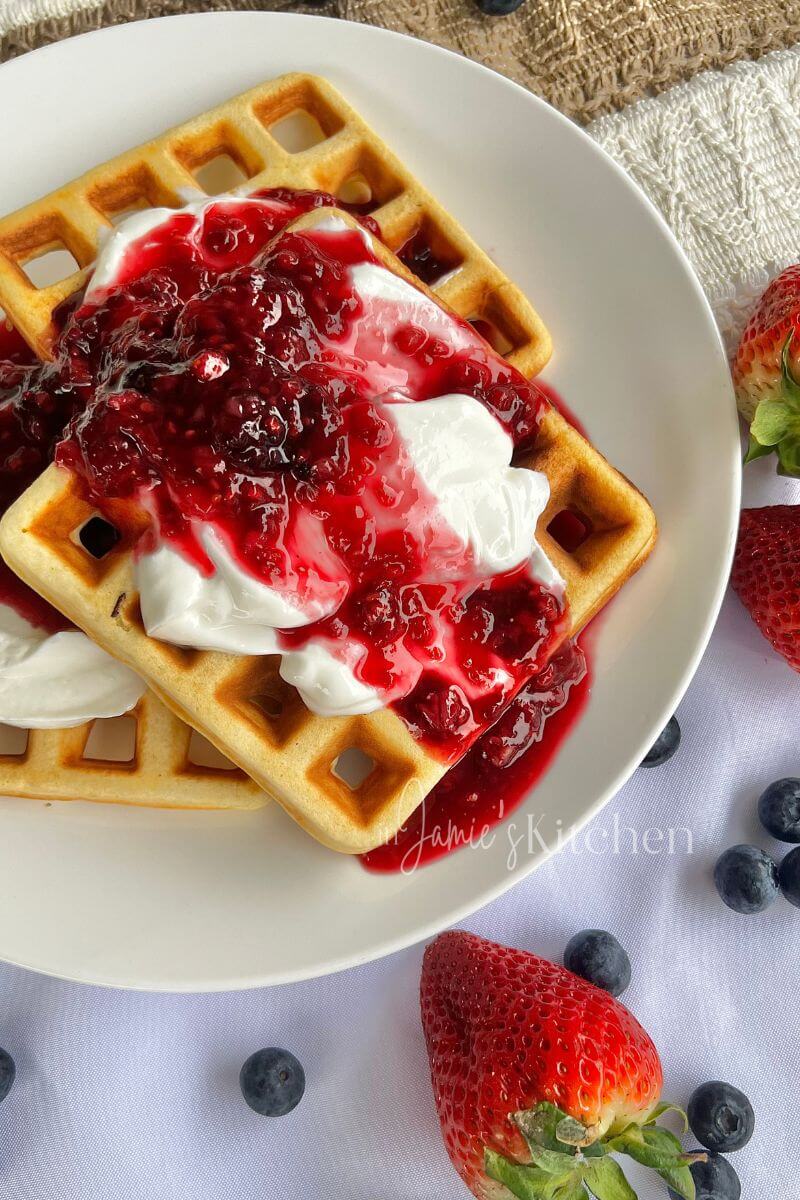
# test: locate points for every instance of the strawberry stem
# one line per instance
(569, 1160)
(776, 421)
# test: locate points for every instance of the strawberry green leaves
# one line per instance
(572, 1133)
(551, 1129)
(556, 1181)
(662, 1109)
(568, 1162)
(659, 1149)
(776, 422)
(606, 1180)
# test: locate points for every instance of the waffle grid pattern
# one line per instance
(241, 705)
(349, 161)
(54, 765)
(164, 172)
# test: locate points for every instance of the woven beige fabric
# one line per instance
(585, 56)
(88, 16)
(591, 56)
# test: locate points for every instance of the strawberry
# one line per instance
(538, 1076)
(764, 373)
(766, 574)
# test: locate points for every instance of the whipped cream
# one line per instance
(462, 454)
(117, 242)
(58, 680)
(230, 610)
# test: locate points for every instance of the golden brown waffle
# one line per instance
(163, 769)
(57, 764)
(350, 162)
(240, 703)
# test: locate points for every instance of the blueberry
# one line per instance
(746, 879)
(498, 8)
(665, 744)
(779, 809)
(720, 1116)
(789, 876)
(597, 956)
(7, 1073)
(272, 1082)
(713, 1180)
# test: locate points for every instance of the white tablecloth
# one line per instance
(131, 1095)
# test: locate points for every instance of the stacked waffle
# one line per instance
(240, 701)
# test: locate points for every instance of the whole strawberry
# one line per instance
(766, 574)
(538, 1076)
(764, 373)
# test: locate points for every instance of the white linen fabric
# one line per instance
(718, 157)
(136, 1095)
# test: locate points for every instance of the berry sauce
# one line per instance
(485, 786)
(38, 400)
(180, 384)
(29, 427)
(235, 379)
(33, 415)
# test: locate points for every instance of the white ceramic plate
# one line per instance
(202, 901)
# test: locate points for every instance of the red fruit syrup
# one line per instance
(231, 379)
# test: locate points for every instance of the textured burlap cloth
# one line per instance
(587, 57)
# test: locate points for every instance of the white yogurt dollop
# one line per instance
(462, 454)
(58, 680)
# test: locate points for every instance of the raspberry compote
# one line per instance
(232, 379)
(223, 380)
(243, 387)
(485, 786)
(38, 400)
(31, 421)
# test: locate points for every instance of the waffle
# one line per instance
(54, 765)
(349, 159)
(241, 704)
(350, 162)
(163, 770)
